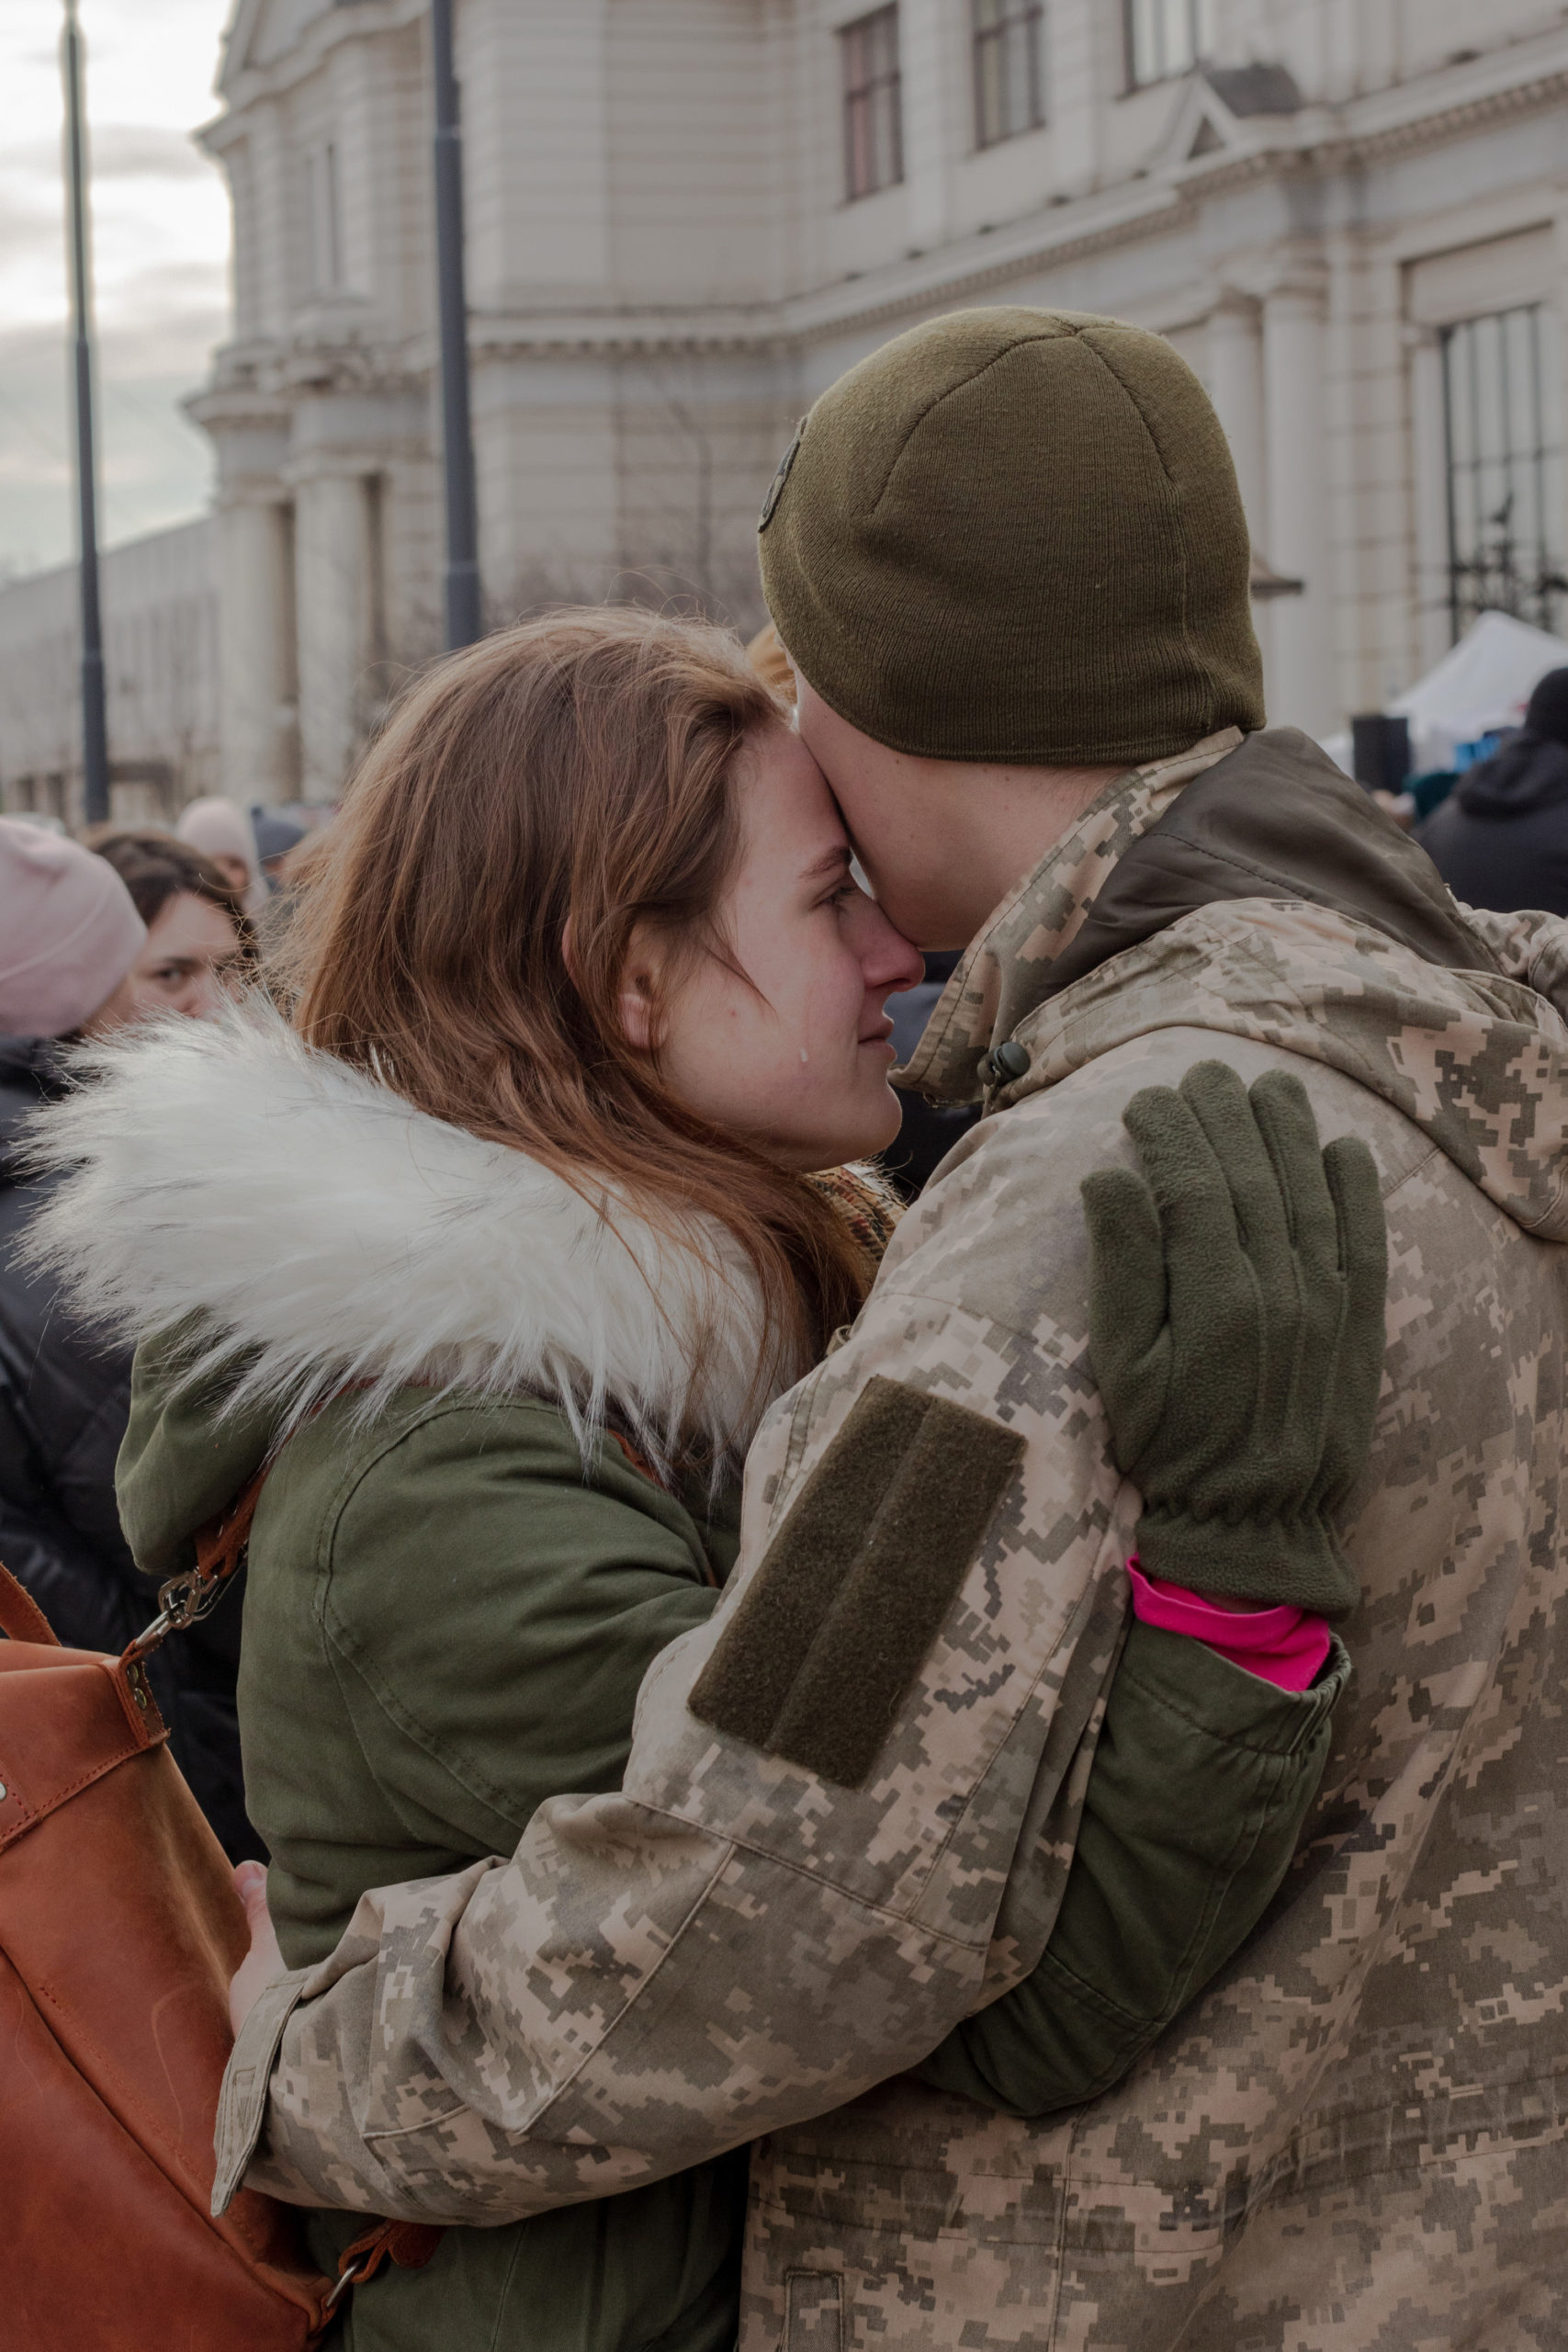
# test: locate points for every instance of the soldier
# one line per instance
(1006, 557)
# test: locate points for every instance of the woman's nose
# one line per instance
(897, 963)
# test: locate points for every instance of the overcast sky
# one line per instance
(160, 246)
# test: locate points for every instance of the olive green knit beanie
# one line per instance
(1015, 535)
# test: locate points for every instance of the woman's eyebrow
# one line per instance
(832, 861)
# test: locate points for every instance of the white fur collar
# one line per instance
(319, 1224)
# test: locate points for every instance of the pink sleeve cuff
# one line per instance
(1286, 1646)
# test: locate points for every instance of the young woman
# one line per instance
(491, 1258)
(199, 942)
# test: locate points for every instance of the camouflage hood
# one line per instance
(1251, 889)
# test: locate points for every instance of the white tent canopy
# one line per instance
(1482, 684)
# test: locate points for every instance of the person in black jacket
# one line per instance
(76, 956)
(1501, 838)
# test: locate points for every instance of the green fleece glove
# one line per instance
(1236, 1333)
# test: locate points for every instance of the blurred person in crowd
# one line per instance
(275, 838)
(199, 938)
(1500, 839)
(221, 830)
(79, 960)
(586, 1000)
(297, 869)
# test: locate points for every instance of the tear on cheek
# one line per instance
(804, 1055)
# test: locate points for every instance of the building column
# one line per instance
(1235, 382)
(255, 652)
(1429, 492)
(334, 605)
(1300, 673)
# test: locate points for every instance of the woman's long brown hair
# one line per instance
(581, 771)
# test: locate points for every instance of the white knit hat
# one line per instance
(69, 932)
(220, 828)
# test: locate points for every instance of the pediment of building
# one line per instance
(261, 31)
(1229, 111)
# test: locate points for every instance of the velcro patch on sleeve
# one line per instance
(826, 1643)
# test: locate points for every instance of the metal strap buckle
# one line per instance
(184, 1599)
(355, 2272)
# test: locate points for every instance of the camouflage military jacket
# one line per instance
(1357, 2136)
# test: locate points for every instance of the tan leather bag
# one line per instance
(119, 1930)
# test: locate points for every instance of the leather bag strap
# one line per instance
(219, 1550)
(220, 1544)
(21, 1619)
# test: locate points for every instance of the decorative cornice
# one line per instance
(1488, 106)
(326, 368)
(1325, 142)
(1054, 235)
(262, 379)
(225, 408)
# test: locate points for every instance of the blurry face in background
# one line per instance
(791, 1050)
(234, 870)
(183, 967)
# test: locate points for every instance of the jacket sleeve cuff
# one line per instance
(241, 2102)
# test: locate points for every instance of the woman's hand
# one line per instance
(264, 1961)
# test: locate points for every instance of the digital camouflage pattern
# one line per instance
(999, 979)
(1358, 2136)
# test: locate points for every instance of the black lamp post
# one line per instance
(94, 728)
(464, 621)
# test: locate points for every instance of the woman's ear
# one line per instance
(638, 995)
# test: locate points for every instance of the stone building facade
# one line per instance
(160, 613)
(686, 216)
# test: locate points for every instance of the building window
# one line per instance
(1167, 36)
(1010, 94)
(874, 130)
(326, 233)
(1505, 468)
